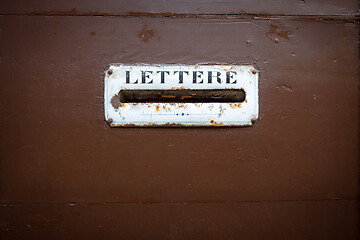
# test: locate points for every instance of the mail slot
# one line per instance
(181, 95)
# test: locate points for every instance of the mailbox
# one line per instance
(181, 95)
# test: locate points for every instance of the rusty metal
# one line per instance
(181, 95)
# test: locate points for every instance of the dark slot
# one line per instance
(182, 96)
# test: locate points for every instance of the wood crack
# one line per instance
(344, 17)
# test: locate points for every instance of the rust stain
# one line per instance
(177, 88)
(146, 34)
(176, 125)
(245, 100)
(93, 33)
(157, 125)
(226, 68)
(130, 124)
(183, 97)
(168, 96)
(215, 123)
(171, 124)
(235, 105)
(275, 33)
(157, 109)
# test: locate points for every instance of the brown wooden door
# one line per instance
(65, 174)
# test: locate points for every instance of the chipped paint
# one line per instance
(226, 68)
(216, 124)
(235, 105)
(176, 110)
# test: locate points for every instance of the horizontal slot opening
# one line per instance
(182, 96)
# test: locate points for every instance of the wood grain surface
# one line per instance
(65, 174)
(175, 7)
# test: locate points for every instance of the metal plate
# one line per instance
(172, 77)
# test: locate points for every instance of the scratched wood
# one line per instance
(256, 220)
(304, 146)
(65, 174)
(141, 7)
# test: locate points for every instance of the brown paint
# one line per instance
(180, 7)
(65, 174)
(286, 220)
(275, 33)
(73, 12)
(146, 34)
(115, 102)
(284, 88)
(302, 72)
(162, 14)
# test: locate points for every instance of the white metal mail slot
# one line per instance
(181, 95)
